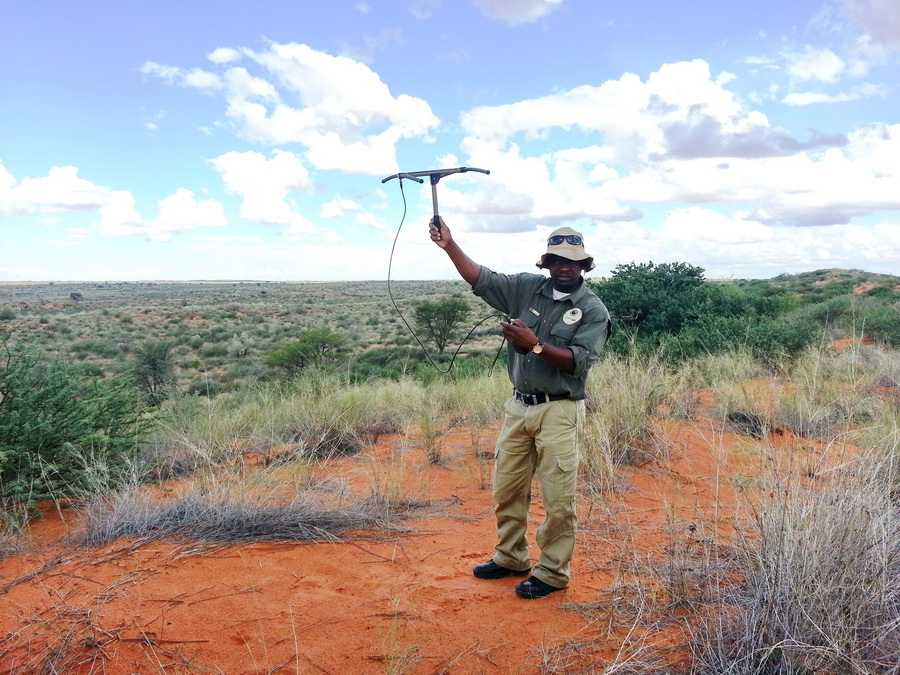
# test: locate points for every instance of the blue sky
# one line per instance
(248, 140)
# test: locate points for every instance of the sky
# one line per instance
(173, 140)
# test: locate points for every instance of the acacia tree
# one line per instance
(438, 320)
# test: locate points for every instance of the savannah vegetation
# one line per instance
(130, 384)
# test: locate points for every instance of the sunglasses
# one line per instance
(573, 239)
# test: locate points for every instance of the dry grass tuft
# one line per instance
(821, 590)
(625, 396)
(223, 517)
(12, 518)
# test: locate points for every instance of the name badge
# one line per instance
(572, 316)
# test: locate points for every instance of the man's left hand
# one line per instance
(519, 335)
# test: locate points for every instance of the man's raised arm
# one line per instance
(468, 269)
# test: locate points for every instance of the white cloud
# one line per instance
(879, 18)
(384, 39)
(369, 219)
(856, 93)
(517, 12)
(64, 243)
(821, 65)
(60, 191)
(735, 244)
(298, 258)
(181, 211)
(679, 111)
(194, 78)
(201, 79)
(264, 183)
(678, 136)
(119, 216)
(725, 78)
(338, 207)
(178, 212)
(169, 74)
(805, 189)
(7, 180)
(424, 9)
(347, 119)
(458, 56)
(224, 55)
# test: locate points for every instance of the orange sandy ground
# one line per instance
(405, 604)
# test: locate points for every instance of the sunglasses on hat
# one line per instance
(573, 239)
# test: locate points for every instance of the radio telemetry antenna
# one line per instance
(434, 175)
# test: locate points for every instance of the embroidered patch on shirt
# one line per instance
(572, 316)
(534, 311)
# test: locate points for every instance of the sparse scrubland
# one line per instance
(774, 550)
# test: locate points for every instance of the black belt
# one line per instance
(537, 399)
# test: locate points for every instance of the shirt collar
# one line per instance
(547, 289)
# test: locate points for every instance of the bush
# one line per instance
(318, 347)
(153, 370)
(389, 364)
(56, 422)
(669, 309)
(650, 299)
(770, 340)
(882, 324)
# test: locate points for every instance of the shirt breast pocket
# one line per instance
(563, 333)
(530, 320)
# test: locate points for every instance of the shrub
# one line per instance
(153, 370)
(55, 422)
(882, 324)
(103, 348)
(213, 351)
(317, 347)
(669, 309)
(389, 364)
(240, 345)
(770, 340)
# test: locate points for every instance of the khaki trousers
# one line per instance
(540, 439)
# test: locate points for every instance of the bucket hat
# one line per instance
(566, 248)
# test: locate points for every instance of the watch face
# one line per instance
(538, 348)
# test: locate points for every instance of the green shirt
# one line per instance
(578, 322)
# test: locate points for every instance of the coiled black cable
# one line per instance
(406, 323)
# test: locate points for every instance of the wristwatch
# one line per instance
(538, 348)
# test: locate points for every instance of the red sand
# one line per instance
(405, 604)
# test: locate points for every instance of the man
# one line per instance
(556, 331)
